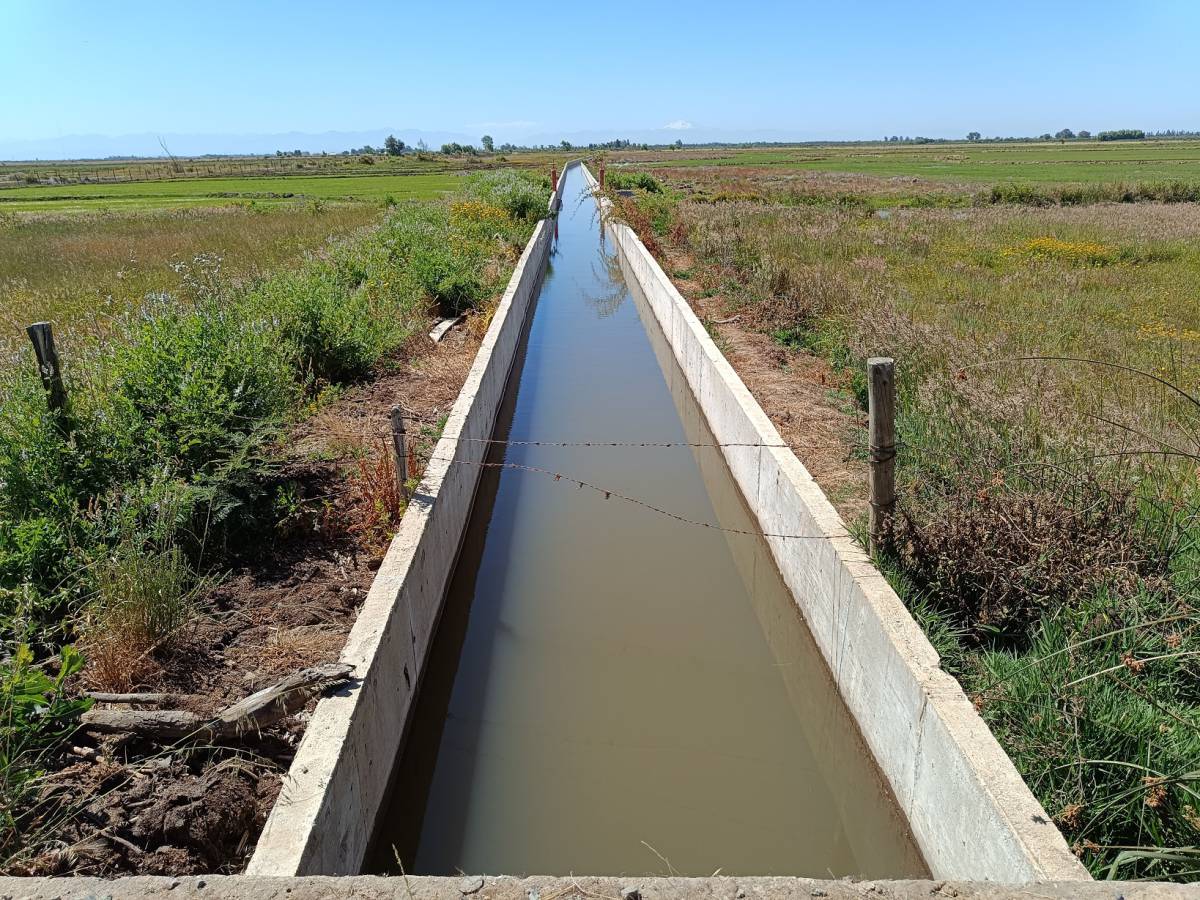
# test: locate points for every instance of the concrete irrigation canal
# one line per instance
(606, 679)
(583, 655)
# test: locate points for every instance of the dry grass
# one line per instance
(82, 271)
(143, 599)
(376, 500)
(890, 284)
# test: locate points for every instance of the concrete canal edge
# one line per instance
(375, 887)
(324, 817)
(970, 811)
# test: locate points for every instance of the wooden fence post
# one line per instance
(48, 365)
(881, 480)
(400, 451)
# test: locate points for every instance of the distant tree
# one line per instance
(566, 145)
(1046, 137)
(1122, 134)
(392, 146)
(974, 136)
(1065, 135)
(678, 145)
(486, 141)
(422, 146)
(297, 153)
(1084, 134)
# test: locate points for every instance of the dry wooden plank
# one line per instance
(442, 327)
(145, 699)
(258, 711)
(287, 696)
(156, 724)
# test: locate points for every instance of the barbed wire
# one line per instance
(384, 430)
(541, 443)
(608, 493)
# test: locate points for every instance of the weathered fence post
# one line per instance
(881, 480)
(400, 451)
(48, 365)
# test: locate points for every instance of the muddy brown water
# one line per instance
(613, 691)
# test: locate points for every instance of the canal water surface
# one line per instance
(613, 690)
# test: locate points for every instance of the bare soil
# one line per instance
(121, 805)
(803, 396)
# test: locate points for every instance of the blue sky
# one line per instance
(533, 71)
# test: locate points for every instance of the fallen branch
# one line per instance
(258, 711)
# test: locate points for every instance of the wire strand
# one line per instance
(608, 493)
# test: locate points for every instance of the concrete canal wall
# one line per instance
(324, 818)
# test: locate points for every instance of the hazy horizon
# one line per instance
(229, 77)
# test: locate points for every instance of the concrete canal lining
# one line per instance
(970, 811)
(374, 887)
(324, 816)
(621, 667)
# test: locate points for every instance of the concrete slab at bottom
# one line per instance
(372, 887)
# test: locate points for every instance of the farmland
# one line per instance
(1040, 300)
(82, 270)
(149, 184)
(1048, 348)
(1046, 162)
(266, 190)
(198, 346)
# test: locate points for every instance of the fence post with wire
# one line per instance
(400, 451)
(881, 436)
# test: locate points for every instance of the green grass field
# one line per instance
(334, 179)
(219, 191)
(1044, 162)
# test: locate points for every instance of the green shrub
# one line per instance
(325, 322)
(36, 714)
(621, 180)
(521, 194)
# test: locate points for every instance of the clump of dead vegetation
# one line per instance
(997, 560)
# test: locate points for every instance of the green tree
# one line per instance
(974, 136)
(392, 146)
(486, 141)
(566, 145)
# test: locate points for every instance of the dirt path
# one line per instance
(804, 398)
